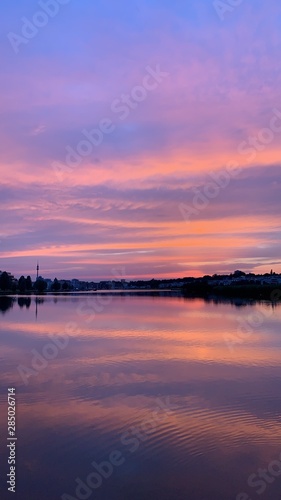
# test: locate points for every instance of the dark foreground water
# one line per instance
(136, 398)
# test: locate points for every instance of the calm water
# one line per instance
(182, 396)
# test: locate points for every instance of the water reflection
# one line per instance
(93, 395)
(6, 303)
(24, 302)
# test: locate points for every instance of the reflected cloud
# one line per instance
(106, 381)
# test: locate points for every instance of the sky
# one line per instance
(140, 139)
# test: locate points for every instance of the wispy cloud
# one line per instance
(121, 202)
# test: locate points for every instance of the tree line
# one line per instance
(25, 285)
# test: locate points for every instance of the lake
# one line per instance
(142, 397)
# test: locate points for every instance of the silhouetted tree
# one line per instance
(40, 285)
(238, 274)
(56, 285)
(28, 283)
(22, 284)
(65, 286)
(5, 281)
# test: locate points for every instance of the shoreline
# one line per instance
(247, 293)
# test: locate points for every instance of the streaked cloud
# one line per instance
(121, 203)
